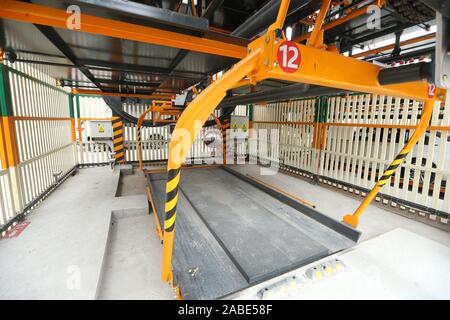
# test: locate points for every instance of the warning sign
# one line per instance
(101, 128)
(239, 123)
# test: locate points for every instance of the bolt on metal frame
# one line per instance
(318, 67)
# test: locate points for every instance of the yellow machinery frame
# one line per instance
(319, 67)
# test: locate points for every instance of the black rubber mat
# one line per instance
(229, 234)
(261, 244)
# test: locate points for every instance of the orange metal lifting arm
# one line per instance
(281, 16)
(331, 69)
(217, 121)
(316, 37)
(387, 174)
(187, 128)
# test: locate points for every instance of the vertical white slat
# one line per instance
(384, 157)
(417, 152)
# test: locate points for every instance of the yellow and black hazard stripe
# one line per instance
(392, 167)
(119, 147)
(173, 180)
(139, 129)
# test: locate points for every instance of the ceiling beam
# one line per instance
(43, 15)
(392, 46)
(148, 13)
(119, 94)
(141, 69)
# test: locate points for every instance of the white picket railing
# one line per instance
(363, 134)
(41, 118)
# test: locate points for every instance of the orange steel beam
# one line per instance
(10, 141)
(281, 16)
(152, 204)
(3, 157)
(330, 69)
(44, 15)
(116, 94)
(335, 23)
(220, 30)
(392, 46)
(193, 9)
(316, 37)
(216, 120)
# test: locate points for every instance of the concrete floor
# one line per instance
(375, 220)
(131, 184)
(72, 251)
(132, 262)
(60, 255)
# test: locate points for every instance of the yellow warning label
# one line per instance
(101, 128)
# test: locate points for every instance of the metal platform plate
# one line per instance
(231, 234)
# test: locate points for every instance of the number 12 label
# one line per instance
(288, 56)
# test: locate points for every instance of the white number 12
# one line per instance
(291, 63)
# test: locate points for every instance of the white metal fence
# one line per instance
(294, 124)
(155, 140)
(43, 133)
(40, 117)
(362, 134)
